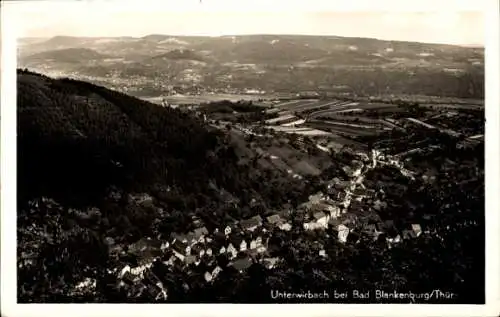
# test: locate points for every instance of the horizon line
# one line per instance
(465, 45)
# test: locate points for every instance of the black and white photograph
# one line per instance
(214, 155)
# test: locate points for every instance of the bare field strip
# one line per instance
(349, 119)
(374, 106)
(352, 125)
(289, 104)
(341, 129)
(282, 118)
(452, 106)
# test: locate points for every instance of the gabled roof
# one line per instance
(318, 215)
(370, 228)
(190, 259)
(334, 222)
(416, 227)
(179, 246)
(274, 219)
(128, 277)
(251, 222)
(406, 234)
(145, 244)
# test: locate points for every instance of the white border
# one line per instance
(8, 174)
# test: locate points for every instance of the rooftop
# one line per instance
(274, 219)
(252, 222)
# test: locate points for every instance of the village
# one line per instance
(248, 241)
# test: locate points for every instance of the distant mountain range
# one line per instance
(265, 62)
(66, 55)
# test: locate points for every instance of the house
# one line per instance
(181, 249)
(178, 237)
(275, 220)
(123, 271)
(216, 271)
(212, 273)
(253, 244)
(139, 270)
(196, 221)
(242, 264)
(222, 250)
(343, 232)
(334, 211)
(170, 261)
(231, 250)
(417, 229)
(396, 239)
(321, 219)
(286, 226)
(407, 234)
(334, 222)
(251, 224)
(162, 294)
(164, 246)
(270, 262)
(243, 245)
(227, 230)
(144, 245)
(311, 225)
(316, 199)
(208, 276)
(197, 250)
(371, 230)
(322, 253)
(258, 240)
(129, 278)
(140, 199)
(209, 251)
(261, 249)
(200, 234)
(190, 259)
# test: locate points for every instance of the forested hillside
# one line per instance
(83, 148)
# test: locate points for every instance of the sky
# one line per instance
(450, 21)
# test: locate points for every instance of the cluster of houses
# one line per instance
(243, 243)
(246, 242)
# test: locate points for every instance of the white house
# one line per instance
(208, 276)
(232, 251)
(123, 271)
(334, 211)
(227, 230)
(243, 245)
(285, 226)
(258, 241)
(139, 270)
(261, 249)
(216, 271)
(343, 233)
(417, 229)
(181, 249)
(321, 219)
(222, 250)
(253, 244)
(208, 251)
